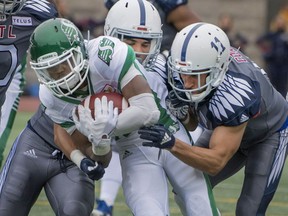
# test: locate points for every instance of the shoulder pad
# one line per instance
(41, 9)
(236, 100)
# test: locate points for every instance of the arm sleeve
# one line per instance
(141, 112)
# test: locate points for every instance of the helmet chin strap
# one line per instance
(218, 79)
(219, 76)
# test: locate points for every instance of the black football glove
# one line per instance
(158, 135)
(94, 170)
(176, 106)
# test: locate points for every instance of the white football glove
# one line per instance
(98, 130)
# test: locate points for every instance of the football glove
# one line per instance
(92, 169)
(98, 130)
(158, 136)
(176, 106)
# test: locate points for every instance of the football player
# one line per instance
(103, 64)
(138, 24)
(17, 24)
(34, 161)
(70, 72)
(13, 50)
(175, 15)
(245, 117)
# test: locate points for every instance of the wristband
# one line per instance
(102, 148)
(77, 156)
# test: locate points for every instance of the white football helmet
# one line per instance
(9, 7)
(200, 48)
(136, 19)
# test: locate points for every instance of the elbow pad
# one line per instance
(143, 111)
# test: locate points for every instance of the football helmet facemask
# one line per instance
(9, 7)
(136, 19)
(58, 42)
(200, 49)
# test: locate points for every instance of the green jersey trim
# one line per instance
(67, 124)
(130, 58)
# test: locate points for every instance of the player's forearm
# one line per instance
(82, 143)
(76, 147)
(63, 140)
(200, 158)
(142, 111)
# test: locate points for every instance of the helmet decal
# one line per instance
(218, 45)
(142, 13)
(187, 39)
(69, 30)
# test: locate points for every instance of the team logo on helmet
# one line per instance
(70, 31)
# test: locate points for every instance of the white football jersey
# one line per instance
(109, 61)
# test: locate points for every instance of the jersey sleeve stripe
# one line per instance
(40, 5)
(130, 58)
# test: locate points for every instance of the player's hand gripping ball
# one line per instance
(118, 101)
(96, 118)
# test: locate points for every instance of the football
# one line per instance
(118, 101)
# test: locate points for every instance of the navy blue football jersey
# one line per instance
(244, 95)
(15, 31)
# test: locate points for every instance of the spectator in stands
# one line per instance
(226, 23)
(274, 48)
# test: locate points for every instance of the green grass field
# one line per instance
(225, 193)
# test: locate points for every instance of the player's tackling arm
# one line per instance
(224, 142)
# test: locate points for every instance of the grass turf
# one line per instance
(225, 193)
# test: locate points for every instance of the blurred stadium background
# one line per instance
(251, 17)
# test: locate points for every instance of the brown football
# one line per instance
(118, 101)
